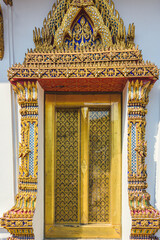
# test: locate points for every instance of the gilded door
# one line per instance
(82, 166)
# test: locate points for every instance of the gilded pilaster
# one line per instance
(18, 220)
(145, 219)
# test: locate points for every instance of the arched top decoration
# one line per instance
(84, 40)
(82, 29)
(105, 20)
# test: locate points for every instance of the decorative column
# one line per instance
(145, 219)
(18, 220)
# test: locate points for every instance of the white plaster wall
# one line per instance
(145, 15)
(26, 16)
(126, 218)
(38, 220)
(4, 65)
(6, 140)
(6, 151)
(19, 22)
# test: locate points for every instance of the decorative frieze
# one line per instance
(114, 63)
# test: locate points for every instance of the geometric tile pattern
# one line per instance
(67, 169)
(133, 152)
(99, 165)
(32, 147)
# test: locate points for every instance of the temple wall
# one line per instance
(6, 151)
(145, 15)
(19, 21)
(38, 219)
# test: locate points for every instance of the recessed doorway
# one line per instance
(83, 166)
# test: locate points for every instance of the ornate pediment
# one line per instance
(84, 39)
(83, 30)
(83, 24)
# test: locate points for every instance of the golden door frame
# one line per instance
(106, 64)
(113, 228)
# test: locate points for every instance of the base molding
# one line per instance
(152, 237)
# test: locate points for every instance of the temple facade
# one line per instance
(80, 131)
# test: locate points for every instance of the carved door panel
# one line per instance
(82, 166)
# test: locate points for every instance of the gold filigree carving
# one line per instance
(18, 220)
(23, 150)
(82, 3)
(145, 219)
(102, 63)
(1, 35)
(131, 36)
(23, 172)
(99, 28)
(106, 22)
(8, 2)
(142, 149)
(82, 36)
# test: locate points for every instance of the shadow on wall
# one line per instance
(152, 119)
